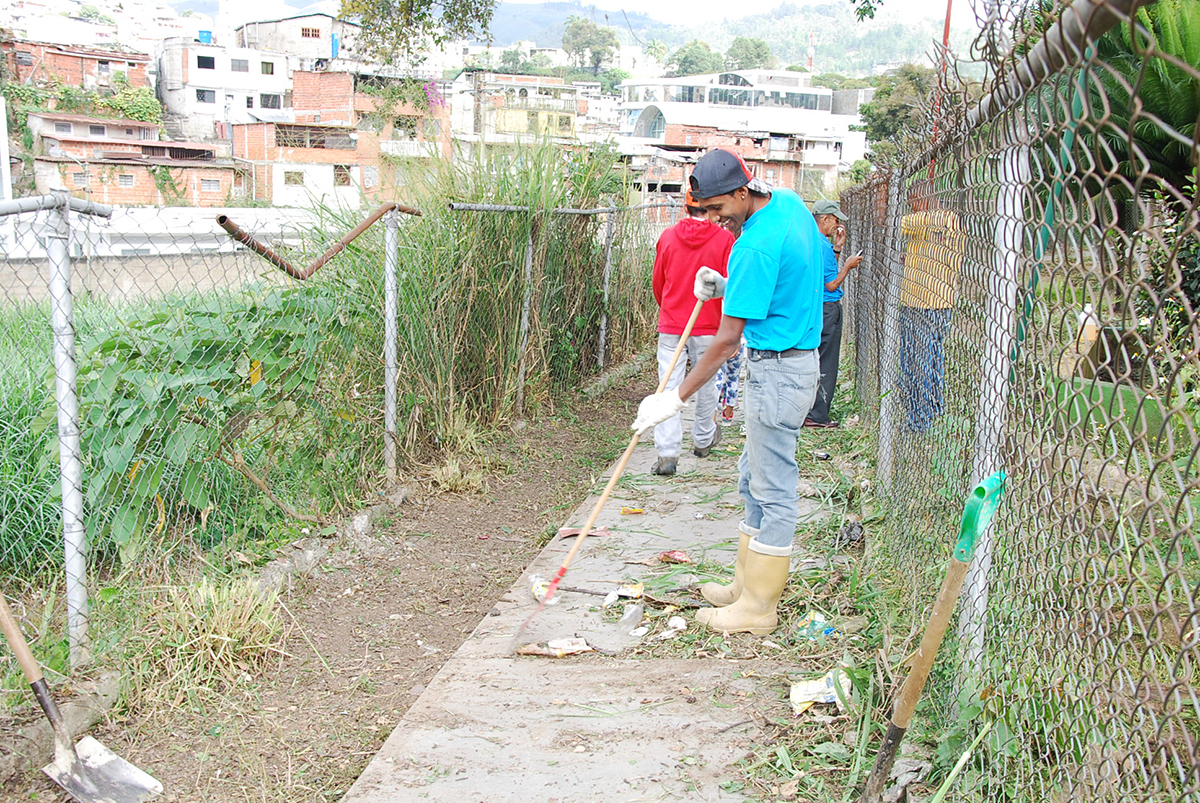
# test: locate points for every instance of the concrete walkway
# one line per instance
(496, 727)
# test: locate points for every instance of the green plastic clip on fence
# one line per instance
(977, 514)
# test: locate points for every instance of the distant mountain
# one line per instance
(544, 22)
(842, 43)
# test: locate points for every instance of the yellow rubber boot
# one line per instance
(755, 609)
(720, 594)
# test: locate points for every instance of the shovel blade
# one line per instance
(91, 773)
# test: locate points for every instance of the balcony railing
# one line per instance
(409, 148)
(541, 104)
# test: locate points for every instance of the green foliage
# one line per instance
(134, 104)
(837, 81)
(695, 58)
(1149, 104)
(168, 185)
(610, 81)
(897, 107)
(589, 44)
(394, 29)
(748, 54)
(859, 171)
(656, 49)
(178, 386)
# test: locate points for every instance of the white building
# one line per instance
(201, 85)
(776, 120)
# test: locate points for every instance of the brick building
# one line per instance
(72, 65)
(342, 143)
(295, 164)
(124, 162)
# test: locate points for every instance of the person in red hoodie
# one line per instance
(691, 244)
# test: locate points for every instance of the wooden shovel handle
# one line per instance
(16, 642)
(616, 475)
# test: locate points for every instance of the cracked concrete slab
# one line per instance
(497, 727)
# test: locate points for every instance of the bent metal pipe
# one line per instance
(245, 238)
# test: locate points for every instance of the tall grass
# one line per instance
(313, 435)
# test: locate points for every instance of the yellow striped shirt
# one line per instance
(932, 258)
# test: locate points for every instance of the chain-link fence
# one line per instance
(163, 384)
(1027, 303)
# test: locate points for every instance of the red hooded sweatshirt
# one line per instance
(683, 250)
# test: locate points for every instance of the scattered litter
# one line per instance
(631, 619)
(638, 632)
(558, 648)
(631, 590)
(905, 772)
(428, 650)
(674, 556)
(611, 598)
(814, 627)
(850, 534)
(699, 515)
(484, 536)
(567, 532)
(772, 645)
(539, 586)
(675, 626)
(626, 511)
(823, 690)
(822, 455)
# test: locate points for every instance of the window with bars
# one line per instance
(206, 96)
(79, 179)
(97, 130)
(62, 128)
(249, 101)
(125, 181)
(270, 101)
(210, 185)
(293, 178)
(341, 175)
(310, 33)
(239, 65)
(308, 136)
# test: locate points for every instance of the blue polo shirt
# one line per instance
(831, 272)
(775, 272)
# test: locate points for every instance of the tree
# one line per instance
(898, 103)
(589, 44)
(395, 28)
(511, 61)
(610, 80)
(695, 58)
(835, 81)
(656, 49)
(747, 54)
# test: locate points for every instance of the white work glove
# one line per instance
(656, 408)
(709, 284)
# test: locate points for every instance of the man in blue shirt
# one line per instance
(773, 297)
(830, 217)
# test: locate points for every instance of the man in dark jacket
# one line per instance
(683, 249)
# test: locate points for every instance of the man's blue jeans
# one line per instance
(779, 393)
(922, 363)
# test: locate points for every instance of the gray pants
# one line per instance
(668, 436)
(830, 352)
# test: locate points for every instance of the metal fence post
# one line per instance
(391, 370)
(524, 336)
(890, 349)
(608, 239)
(70, 461)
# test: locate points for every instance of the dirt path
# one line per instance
(373, 624)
